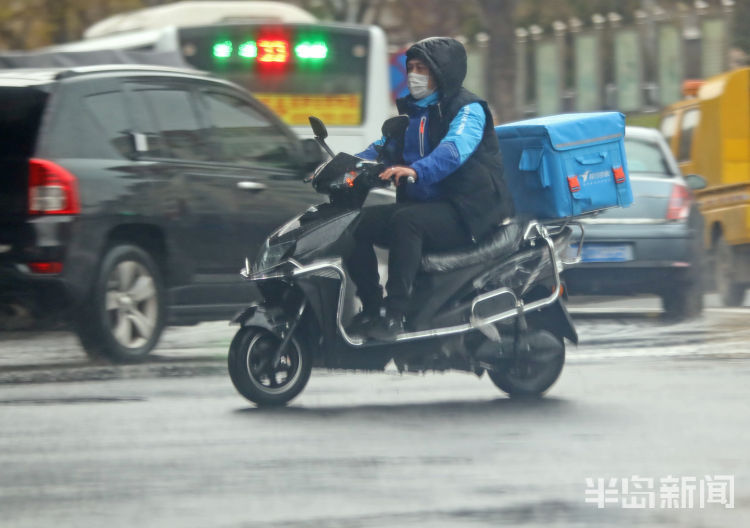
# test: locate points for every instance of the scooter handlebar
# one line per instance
(408, 179)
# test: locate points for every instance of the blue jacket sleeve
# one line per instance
(370, 153)
(463, 137)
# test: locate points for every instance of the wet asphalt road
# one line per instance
(170, 443)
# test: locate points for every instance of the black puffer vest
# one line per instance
(477, 188)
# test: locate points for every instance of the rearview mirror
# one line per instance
(318, 128)
(696, 182)
(312, 156)
(395, 127)
(321, 133)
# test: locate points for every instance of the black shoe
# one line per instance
(386, 328)
(360, 323)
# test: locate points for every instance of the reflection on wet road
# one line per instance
(169, 443)
(717, 333)
(607, 329)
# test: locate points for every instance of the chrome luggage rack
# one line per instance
(555, 227)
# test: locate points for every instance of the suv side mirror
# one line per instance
(695, 182)
(312, 155)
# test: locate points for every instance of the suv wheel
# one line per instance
(124, 316)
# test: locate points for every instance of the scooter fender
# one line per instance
(556, 319)
(260, 316)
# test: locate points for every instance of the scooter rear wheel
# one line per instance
(254, 374)
(535, 371)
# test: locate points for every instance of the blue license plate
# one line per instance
(604, 252)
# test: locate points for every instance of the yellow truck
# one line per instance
(709, 134)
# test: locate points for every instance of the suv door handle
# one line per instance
(252, 186)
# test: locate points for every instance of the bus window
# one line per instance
(689, 121)
(668, 128)
(294, 65)
(296, 70)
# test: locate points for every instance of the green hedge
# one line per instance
(650, 120)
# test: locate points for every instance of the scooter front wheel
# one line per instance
(258, 375)
(536, 368)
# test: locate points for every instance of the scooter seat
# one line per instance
(504, 241)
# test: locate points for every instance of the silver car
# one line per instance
(655, 246)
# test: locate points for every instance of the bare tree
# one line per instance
(427, 18)
(16, 26)
(27, 24)
(498, 17)
(424, 18)
(417, 19)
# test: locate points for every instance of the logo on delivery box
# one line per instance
(590, 178)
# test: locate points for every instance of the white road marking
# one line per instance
(648, 311)
(613, 311)
(734, 348)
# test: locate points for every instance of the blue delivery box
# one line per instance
(566, 165)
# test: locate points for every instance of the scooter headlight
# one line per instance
(272, 255)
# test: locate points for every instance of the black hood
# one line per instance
(446, 58)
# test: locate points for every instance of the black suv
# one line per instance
(131, 195)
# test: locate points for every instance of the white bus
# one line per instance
(296, 65)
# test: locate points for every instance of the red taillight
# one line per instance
(679, 203)
(45, 267)
(52, 189)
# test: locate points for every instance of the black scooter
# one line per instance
(495, 307)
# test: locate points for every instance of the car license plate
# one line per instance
(604, 252)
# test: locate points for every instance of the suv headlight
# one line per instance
(272, 255)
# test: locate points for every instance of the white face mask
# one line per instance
(418, 85)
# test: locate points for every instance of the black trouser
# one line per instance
(407, 230)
